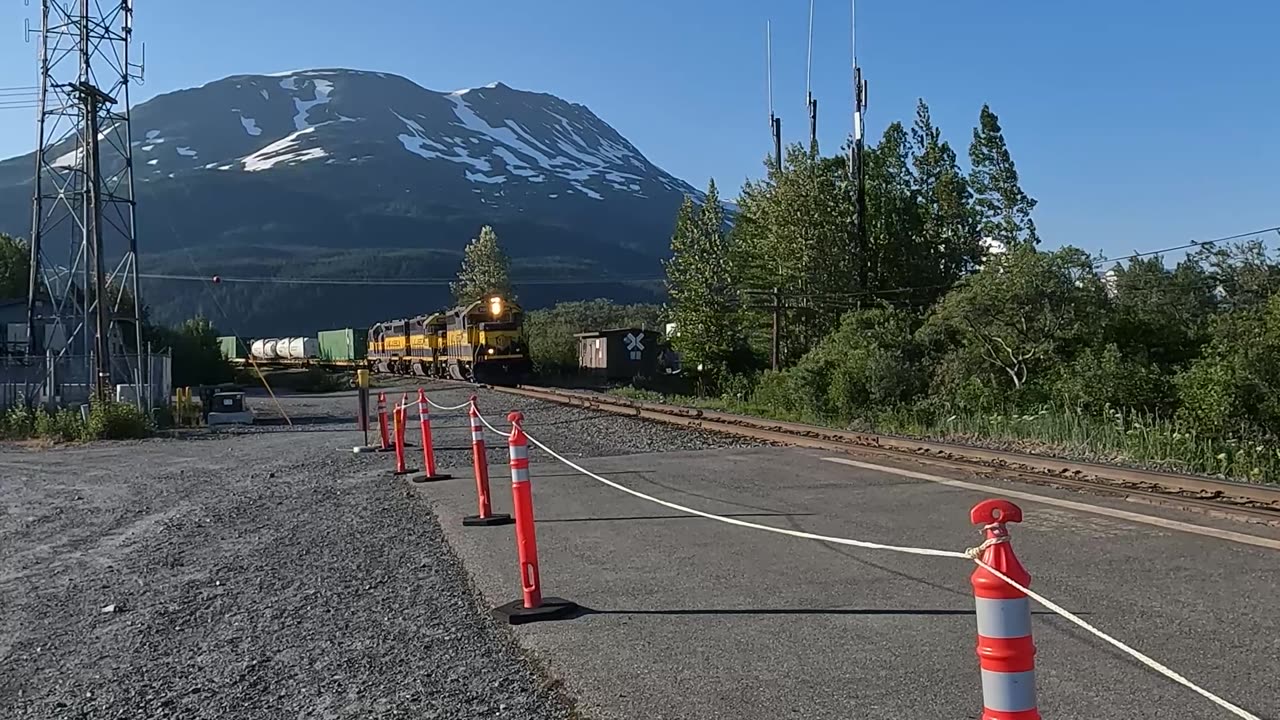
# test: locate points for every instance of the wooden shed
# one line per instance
(619, 353)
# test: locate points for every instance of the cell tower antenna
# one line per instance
(86, 302)
(775, 122)
(811, 103)
(857, 170)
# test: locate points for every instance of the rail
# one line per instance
(1253, 502)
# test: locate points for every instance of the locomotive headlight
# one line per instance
(490, 351)
(495, 306)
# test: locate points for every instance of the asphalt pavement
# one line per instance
(688, 618)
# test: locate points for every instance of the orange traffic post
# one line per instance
(428, 451)
(1006, 652)
(480, 463)
(382, 422)
(532, 607)
(400, 416)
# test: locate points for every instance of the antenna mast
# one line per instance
(84, 192)
(775, 123)
(810, 101)
(857, 173)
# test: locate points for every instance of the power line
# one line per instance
(423, 282)
(1194, 243)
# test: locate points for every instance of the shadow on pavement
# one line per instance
(663, 517)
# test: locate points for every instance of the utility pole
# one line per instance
(84, 188)
(857, 170)
(777, 322)
(810, 101)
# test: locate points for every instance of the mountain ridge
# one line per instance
(338, 160)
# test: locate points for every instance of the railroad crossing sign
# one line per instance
(635, 344)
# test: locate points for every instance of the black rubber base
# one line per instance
(492, 520)
(421, 477)
(407, 471)
(516, 613)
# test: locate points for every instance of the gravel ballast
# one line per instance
(265, 572)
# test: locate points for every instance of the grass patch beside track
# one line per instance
(1124, 439)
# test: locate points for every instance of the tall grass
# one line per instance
(1115, 437)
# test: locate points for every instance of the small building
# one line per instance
(13, 328)
(619, 353)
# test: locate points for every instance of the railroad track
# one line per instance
(1243, 501)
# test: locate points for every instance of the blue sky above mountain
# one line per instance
(1134, 125)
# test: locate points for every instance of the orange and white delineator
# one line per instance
(1006, 652)
(428, 450)
(480, 464)
(532, 606)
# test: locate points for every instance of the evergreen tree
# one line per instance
(948, 223)
(701, 285)
(1004, 210)
(485, 270)
(794, 232)
(898, 259)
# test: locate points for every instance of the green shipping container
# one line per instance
(231, 347)
(345, 344)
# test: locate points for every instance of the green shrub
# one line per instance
(19, 422)
(775, 393)
(66, 425)
(116, 421)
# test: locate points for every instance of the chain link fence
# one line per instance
(144, 380)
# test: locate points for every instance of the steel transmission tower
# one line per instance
(84, 267)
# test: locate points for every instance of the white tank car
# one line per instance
(298, 348)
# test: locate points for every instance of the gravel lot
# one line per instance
(264, 572)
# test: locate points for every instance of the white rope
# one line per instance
(448, 407)
(744, 523)
(503, 433)
(971, 554)
(1145, 660)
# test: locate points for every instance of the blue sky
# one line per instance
(1135, 124)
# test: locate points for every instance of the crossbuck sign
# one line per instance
(634, 344)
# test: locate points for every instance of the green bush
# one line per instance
(116, 421)
(19, 422)
(66, 425)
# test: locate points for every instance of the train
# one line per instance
(482, 341)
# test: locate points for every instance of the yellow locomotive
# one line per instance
(479, 342)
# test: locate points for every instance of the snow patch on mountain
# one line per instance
(250, 126)
(588, 192)
(477, 177)
(282, 151)
(265, 95)
(470, 120)
(187, 152)
(323, 89)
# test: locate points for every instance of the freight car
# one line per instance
(480, 342)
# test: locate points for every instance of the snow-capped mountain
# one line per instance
(367, 159)
(493, 138)
(344, 173)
